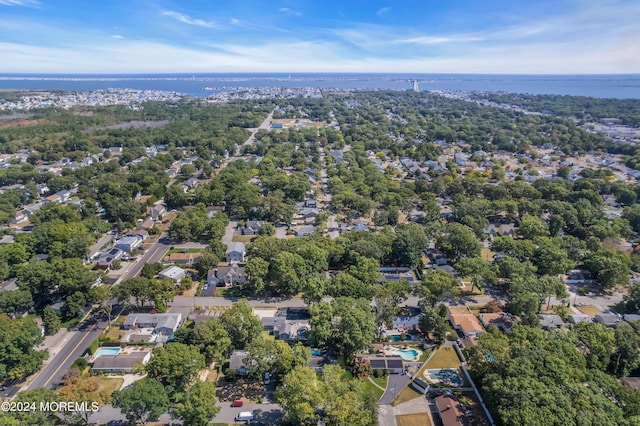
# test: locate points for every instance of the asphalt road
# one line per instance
(152, 255)
(56, 368)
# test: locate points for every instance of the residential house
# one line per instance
(306, 230)
(502, 320)
(627, 317)
(394, 364)
(235, 252)
(146, 224)
(157, 211)
(164, 324)
(173, 273)
(465, 323)
(183, 258)
(631, 382)
(105, 259)
(397, 274)
(227, 275)
(64, 195)
(289, 324)
(128, 243)
(549, 322)
(252, 227)
(450, 411)
(608, 320)
(578, 318)
(237, 361)
(120, 363)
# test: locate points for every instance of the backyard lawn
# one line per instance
(109, 385)
(421, 419)
(590, 310)
(370, 387)
(444, 357)
(406, 394)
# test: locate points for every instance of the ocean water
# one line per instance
(599, 86)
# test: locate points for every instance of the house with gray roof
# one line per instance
(160, 323)
(549, 322)
(173, 273)
(121, 363)
(235, 252)
(608, 320)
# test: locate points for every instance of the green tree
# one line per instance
(345, 324)
(14, 301)
(409, 243)
(212, 339)
(435, 286)
(257, 269)
(269, 356)
(199, 405)
(610, 267)
(145, 401)
(33, 417)
(478, 269)
(300, 394)
(50, 320)
(243, 327)
(175, 365)
(532, 227)
(457, 241)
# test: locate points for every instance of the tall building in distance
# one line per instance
(416, 87)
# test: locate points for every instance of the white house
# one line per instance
(235, 252)
(227, 275)
(173, 273)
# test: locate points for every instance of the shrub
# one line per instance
(93, 347)
(81, 364)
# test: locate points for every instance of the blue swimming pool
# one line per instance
(106, 351)
(407, 354)
(396, 337)
(315, 352)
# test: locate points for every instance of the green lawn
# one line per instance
(370, 387)
(234, 291)
(380, 381)
(406, 394)
(421, 419)
(182, 250)
(445, 357)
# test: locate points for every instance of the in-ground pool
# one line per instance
(106, 351)
(396, 337)
(315, 352)
(407, 354)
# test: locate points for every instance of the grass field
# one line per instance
(243, 238)
(114, 333)
(445, 357)
(380, 381)
(422, 419)
(590, 310)
(406, 394)
(486, 254)
(370, 387)
(108, 385)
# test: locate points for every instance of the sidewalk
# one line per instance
(55, 343)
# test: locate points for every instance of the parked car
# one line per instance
(237, 403)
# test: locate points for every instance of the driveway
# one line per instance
(264, 414)
(394, 386)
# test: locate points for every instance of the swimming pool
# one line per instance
(315, 352)
(106, 351)
(396, 337)
(407, 354)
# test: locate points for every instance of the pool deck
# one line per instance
(391, 351)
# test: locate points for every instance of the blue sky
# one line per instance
(412, 36)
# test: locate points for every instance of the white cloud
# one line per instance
(234, 21)
(117, 36)
(186, 19)
(383, 12)
(429, 40)
(138, 56)
(25, 3)
(289, 12)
